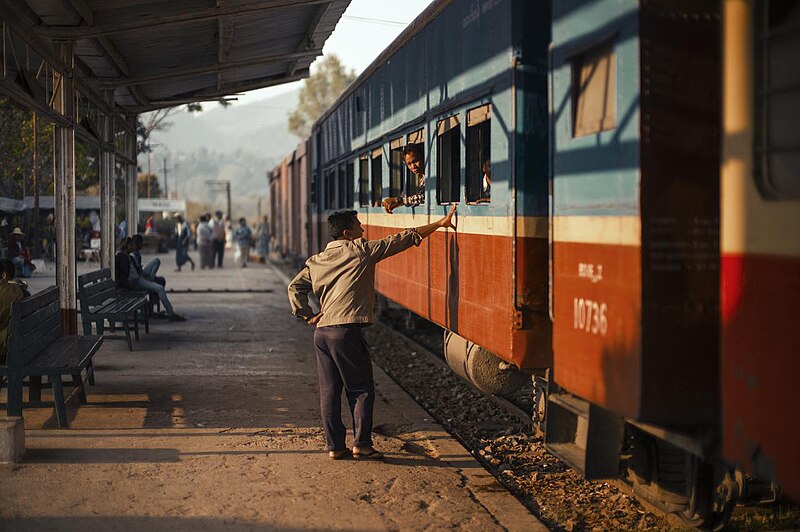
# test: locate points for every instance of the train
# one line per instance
(635, 256)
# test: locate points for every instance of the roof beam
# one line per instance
(122, 67)
(83, 10)
(212, 69)
(154, 15)
(308, 40)
(225, 30)
(212, 94)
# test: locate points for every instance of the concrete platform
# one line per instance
(213, 424)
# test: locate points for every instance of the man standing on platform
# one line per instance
(343, 279)
(218, 241)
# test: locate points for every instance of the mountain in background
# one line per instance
(241, 143)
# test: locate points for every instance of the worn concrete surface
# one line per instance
(213, 424)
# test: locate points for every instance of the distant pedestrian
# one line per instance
(218, 240)
(262, 238)
(343, 279)
(205, 243)
(182, 239)
(243, 236)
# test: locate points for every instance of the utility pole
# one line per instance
(166, 183)
(219, 185)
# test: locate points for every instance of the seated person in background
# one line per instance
(9, 292)
(138, 281)
(18, 253)
(415, 162)
(122, 264)
(151, 268)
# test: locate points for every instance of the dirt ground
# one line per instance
(213, 424)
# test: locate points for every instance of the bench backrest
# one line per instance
(35, 324)
(96, 287)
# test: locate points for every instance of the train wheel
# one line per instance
(540, 389)
(711, 506)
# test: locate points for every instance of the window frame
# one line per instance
(364, 199)
(479, 121)
(607, 121)
(376, 155)
(764, 95)
(448, 133)
(396, 166)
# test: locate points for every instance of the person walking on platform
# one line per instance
(205, 244)
(218, 241)
(343, 279)
(182, 238)
(243, 236)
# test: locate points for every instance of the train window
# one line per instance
(396, 166)
(330, 188)
(417, 140)
(594, 91)
(479, 164)
(363, 181)
(448, 144)
(350, 184)
(341, 188)
(777, 138)
(377, 176)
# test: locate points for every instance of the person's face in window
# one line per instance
(414, 163)
(487, 168)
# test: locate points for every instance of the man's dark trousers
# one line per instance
(343, 363)
(219, 252)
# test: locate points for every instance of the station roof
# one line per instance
(163, 53)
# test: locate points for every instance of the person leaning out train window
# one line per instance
(412, 156)
(486, 182)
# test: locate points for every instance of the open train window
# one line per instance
(377, 176)
(479, 163)
(777, 138)
(396, 166)
(363, 181)
(415, 140)
(341, 188)
(448, 144)
(330, 188)
(594, 91)
(349, 189)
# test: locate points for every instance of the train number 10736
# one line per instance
(590, 316)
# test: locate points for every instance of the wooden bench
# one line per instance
(101, 302)
(36, 349)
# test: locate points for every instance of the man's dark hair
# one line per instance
(7, 267)
(137, 239)
(124, 243)
(339, 221)
(412, 148)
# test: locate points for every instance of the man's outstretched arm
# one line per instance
(392, 245)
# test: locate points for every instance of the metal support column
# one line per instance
(64, 162)
(107, 214)
(132, 197)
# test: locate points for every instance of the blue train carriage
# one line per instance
(466, 85)
(636, 114)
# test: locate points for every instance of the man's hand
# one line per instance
(447, 221)
(314, 319)
(390, 204)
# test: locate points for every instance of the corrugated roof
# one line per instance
(161, 53)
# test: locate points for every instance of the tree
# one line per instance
(148, 186)
(318, 94)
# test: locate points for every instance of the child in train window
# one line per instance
(486, 182)
(415, 188)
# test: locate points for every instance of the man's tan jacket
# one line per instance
(343, 278)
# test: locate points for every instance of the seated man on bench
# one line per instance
(150, 269)
(137, 280)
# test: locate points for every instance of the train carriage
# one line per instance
(640, 225)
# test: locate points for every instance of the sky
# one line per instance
(365, 30)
